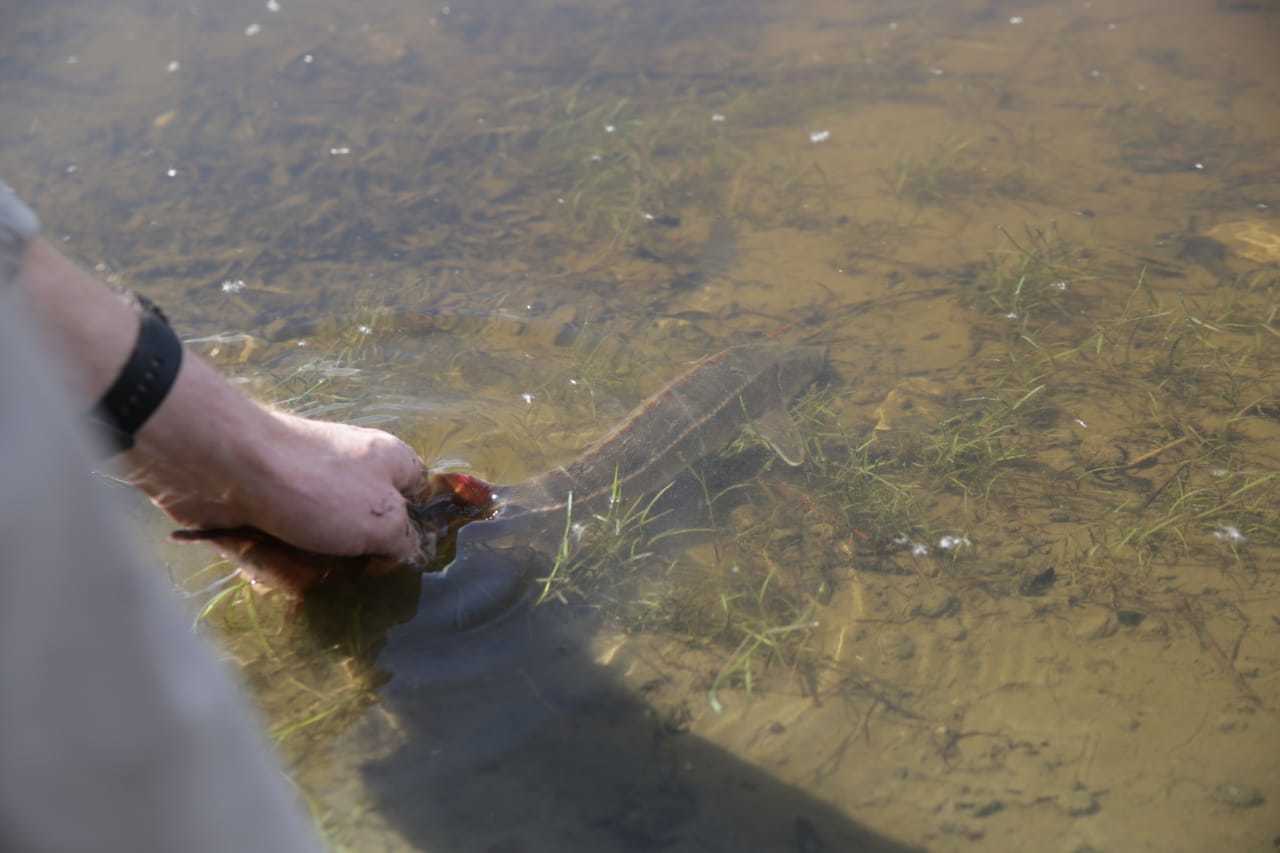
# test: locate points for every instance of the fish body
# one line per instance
(693, 416)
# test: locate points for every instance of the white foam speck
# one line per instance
(1229, 533)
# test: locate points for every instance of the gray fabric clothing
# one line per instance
(120, 731)
(16, 216)
(17, 225)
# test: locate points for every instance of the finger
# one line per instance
(233, 537)
(408, 472)
(392, 533)
(409, 545)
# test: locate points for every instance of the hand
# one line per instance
(337, 489)
(328, 490)
(214, 459)
(445, 502)
(323, 487)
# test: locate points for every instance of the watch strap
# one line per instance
(144, 381)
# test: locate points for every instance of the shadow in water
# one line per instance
(513, 737)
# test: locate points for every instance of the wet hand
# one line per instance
(332, 489)
(325, 489)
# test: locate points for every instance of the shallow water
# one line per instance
(1023, 592)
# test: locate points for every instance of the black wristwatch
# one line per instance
(144, 381)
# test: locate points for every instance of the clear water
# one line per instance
(1023, 594)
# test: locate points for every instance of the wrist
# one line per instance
(143, 383)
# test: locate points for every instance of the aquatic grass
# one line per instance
(1155, 140)
(564, 552)
(318, 380)
(309, 686)
(790, 541)
(604, 547)
(789, 97)
(770, 642)
(788, 191)
(1032, 280)
(1187, 506)
(943, 174)
(1188, 358)
(855, 472)
(614, 163)
(971, 451)
(223, 598)
(775, 574)
(753, 601)
(597, 365)
(325, 708)
(1184, 476)
(1139, 554)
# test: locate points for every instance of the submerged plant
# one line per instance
(936, 177)
(611, 558)
(1034, 278)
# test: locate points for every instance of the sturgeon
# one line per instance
(505, 532)
(693, 416)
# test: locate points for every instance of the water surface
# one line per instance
(1023, 592)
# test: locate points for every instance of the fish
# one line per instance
(693, 416)
(498, 535)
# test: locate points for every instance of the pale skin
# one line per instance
(210, 456)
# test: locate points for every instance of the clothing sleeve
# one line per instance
(120, 731)
(17, 225)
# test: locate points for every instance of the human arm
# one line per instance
(121, 732)
(213, 458)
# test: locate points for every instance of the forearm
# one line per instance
(90, 326)
(207, 443)
(212, 457)
(203, 422)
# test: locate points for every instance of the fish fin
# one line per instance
(778, 430)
